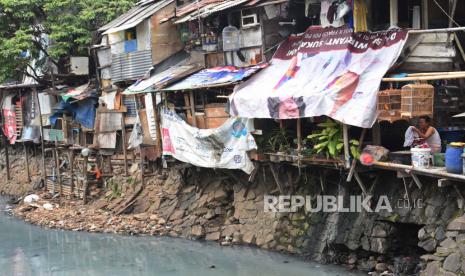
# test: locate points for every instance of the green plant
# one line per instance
(330, 140)
(279, 140)
(116, 190)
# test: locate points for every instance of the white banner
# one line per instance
(223, 147)
(332, 72)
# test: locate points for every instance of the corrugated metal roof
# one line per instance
(162, 79)
(216, 77)
(134, 16)
(209, 9)
(130, 66)
(194, 6)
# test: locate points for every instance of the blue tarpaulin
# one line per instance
(83, 111)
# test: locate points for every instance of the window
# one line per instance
(130, 40)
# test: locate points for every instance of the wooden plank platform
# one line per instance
(436, 172)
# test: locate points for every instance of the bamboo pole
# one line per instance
(435, 74)
(442, 30)
(415, 170)
(426, 78)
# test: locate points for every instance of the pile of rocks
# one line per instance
(448, 258)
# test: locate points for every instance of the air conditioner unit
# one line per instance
(249, 20)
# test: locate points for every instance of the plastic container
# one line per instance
(454, 161)
(421, 157)
(439, 159)
(463, 161)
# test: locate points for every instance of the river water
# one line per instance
(30, 250)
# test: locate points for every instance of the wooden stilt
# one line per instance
(192, 106)
(345, 129)
(354, 161)
(71, 164)
(125, 146)
(7, 157)
(142, 167)
(360, 183)
(56, 177)
(417, 182)
(276, 179)
(157, 125)
(299, 136)
(86, 180)
(42, 143)
(299, 144)
(26, 156)
(57, 164)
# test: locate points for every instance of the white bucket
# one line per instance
(421, 157)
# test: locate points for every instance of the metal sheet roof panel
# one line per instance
(134, 16)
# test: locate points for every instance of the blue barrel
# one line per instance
(454, 161)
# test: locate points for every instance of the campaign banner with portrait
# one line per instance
(324, 71)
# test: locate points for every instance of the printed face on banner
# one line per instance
(325, 71)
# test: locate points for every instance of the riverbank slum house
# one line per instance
(251, 83)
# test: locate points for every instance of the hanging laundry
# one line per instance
(360, 16)
(329, 15)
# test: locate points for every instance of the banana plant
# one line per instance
(330, 140)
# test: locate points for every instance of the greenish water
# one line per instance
(30, 250)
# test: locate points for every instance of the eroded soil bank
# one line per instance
(221, 206)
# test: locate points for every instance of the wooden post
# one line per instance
(27, 162)
(7, 157)
(425, 14)
(42, 144)
(86, 180)
(57, 164)
(299, 144)
(192, 106)
(299, 136)
(345, 130)
(452, 8)
(393, 11)
(376, 134)
(354, 161)
(24, 144)
(71, 161)
(157, 124)
(142, 166)
(56, 177)
(125, 146)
